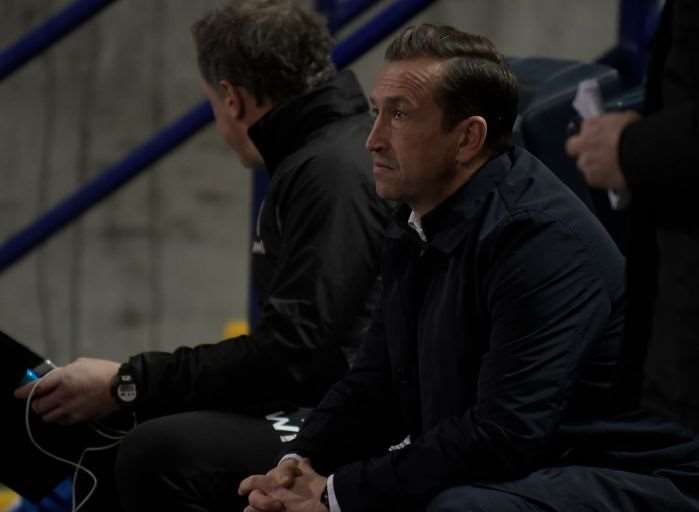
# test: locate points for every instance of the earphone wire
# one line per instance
(78, 466)
(111, 432)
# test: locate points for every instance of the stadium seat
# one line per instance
(547, 89)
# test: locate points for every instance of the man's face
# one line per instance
(414, 156)
(233, 129)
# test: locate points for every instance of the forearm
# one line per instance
(359, 416)
(232, 374)
(185, 379)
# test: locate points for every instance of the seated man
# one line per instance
(278, 102)
(487, 381)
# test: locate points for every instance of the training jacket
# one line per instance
(315, 260)
(496, 350)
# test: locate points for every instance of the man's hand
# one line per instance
(74, 393)
(596, 149)
(293, 486)
(260, 487)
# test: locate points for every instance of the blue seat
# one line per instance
(547, 89)
(58, 500)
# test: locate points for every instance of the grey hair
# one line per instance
(275, 49)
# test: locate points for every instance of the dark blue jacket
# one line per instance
(496, 349)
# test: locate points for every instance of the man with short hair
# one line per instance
(487, 381)
(278, 101)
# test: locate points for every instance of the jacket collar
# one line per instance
(447, 224)
(288, 127)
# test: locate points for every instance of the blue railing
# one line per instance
(48, 33)
(340, 12)
(380, 27)
(110, 180)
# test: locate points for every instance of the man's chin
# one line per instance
(387, 193)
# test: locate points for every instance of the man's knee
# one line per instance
(149, 447)
(477, 499)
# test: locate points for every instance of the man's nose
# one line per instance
(377, 137)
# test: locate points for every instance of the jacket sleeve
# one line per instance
(331, 234)
(359, 417)
(546, 307)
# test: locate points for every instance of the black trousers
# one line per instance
(195, 461)
(578, 489)
(189, 461)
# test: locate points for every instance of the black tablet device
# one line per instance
(23, 468)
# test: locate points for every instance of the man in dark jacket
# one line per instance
(278, 101)
(489, 370)
(657, 161)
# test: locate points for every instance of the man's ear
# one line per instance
(474, 131)
(233, 99)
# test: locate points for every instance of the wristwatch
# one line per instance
(124, 389)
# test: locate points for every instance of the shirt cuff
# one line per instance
(332, 497)
(619, 200)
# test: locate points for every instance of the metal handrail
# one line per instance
(48, 33)
(377, 29)
(104, 184)
(338, 18)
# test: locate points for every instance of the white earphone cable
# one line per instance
(78, 466)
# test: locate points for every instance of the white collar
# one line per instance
(414, 222)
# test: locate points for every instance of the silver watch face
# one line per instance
(126, 392)
(126, 389)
